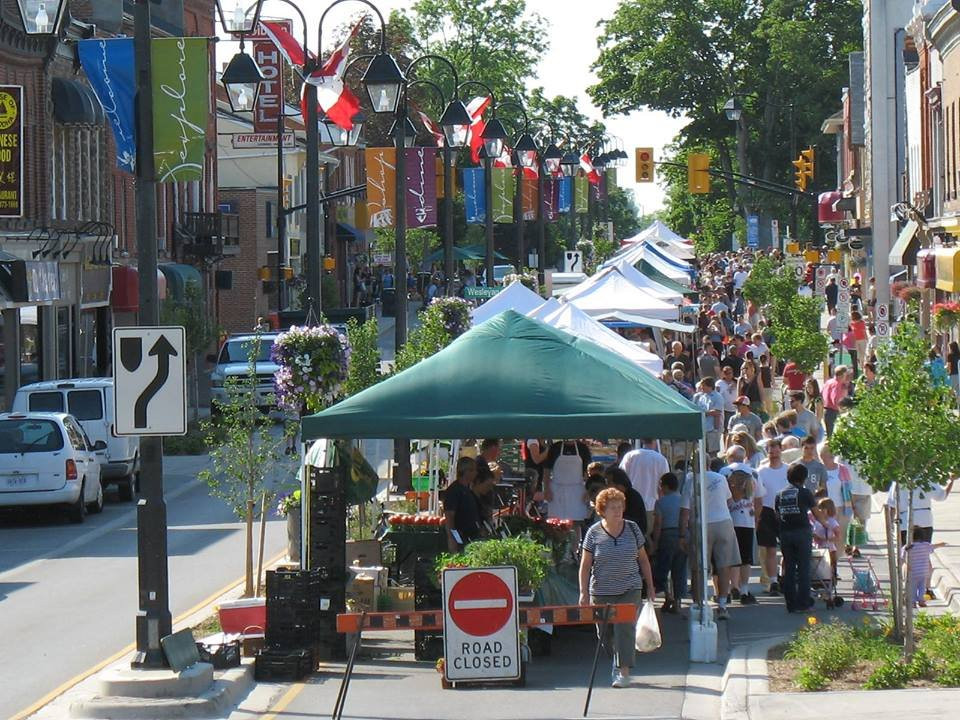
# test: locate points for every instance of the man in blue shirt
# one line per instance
(711, 402)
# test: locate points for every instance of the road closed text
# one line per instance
(481, 656)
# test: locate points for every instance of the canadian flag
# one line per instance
(592, 175)
(506, 158)
(286, 43)
(476, 108)
(333, 96)
(431, 126)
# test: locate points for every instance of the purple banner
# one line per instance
(550, 190)
(421, 187)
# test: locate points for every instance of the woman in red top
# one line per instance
(858, 328)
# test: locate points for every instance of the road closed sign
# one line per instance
(480, 624)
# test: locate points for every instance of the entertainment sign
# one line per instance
(260, 140)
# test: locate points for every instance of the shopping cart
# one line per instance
(822, 580)
(867, 589)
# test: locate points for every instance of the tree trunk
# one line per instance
(893, 566)
(263, 532)
(248, 572)
(908, 645)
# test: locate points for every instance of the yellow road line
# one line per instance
(288, 697)
(77, 679)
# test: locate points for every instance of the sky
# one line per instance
(561, 72)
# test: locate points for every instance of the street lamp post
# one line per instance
(524, 155)
(569, 164)
(548, 164)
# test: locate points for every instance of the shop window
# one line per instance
(76, 173)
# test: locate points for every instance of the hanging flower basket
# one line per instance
(946, 316)
(313, 366)
(529, 280)
(455, 313)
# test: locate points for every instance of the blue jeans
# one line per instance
(670, 560)
(796, 546)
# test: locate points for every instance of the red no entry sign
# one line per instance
(480, 604)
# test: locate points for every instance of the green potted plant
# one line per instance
(530, 558)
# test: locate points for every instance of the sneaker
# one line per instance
(734, 593)
(774, 589)
(748, 599)
(620, 681)
(721, 613)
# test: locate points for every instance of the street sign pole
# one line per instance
(153, 618)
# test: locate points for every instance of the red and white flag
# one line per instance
(476, 108)
(592, 175)
(431, 126)
(286, 43)
(333, 96)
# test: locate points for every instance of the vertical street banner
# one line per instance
(581, 187)
(381, 186)
(504, 189)
(753, 231)
(181, 107)
(529, 194)
(564, 194)
(421, 186)
(611, 176)
(474, 196)
(550, 190)
(109, 66)
(269, 103)
(11, 151)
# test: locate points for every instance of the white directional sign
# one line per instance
(572, 261)
(481, 638)
(149, 378)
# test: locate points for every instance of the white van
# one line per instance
(90, 401)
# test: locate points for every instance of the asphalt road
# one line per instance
(68, 593)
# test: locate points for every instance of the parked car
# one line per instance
(501, 271)
(47, 459)
(233, 360)
(90, 401)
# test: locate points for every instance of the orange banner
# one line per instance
(381, 186)
(529, 192)
(440, 170)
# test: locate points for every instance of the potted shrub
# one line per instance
(289, 507)
(530, 558)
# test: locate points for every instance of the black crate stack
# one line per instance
(328, 555)
(293, 625)
(427, 644)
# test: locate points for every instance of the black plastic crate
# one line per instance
(326, 480)
(328, 532)
(299, 585)
(284, 665)
(328, 504)
(329, 557)
(331, 646)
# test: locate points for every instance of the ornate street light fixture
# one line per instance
(237, 20)
(241, 79)
(733, 109)
(493, 135)
(384, 83)
(551, 158)
(455, 123)
(526, 150)
(570, 163)
(408, 129)
(41, 17)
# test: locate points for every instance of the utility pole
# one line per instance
(153, 617)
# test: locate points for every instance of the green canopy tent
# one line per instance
(514, 376)
(459, 253)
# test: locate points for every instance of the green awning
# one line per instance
(513, 376)
(178, 277)
(651, 272)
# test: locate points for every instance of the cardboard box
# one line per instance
(362, 593)
(400, 598)
(364, 552)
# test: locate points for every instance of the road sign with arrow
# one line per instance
(149, 378)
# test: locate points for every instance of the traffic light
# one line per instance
(803, 169)
(698, 173)
(644, 165)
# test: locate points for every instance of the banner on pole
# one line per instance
(11, 151)
(181, 107)
(529, 193)
(381, 186)
(550, 189)
(611, 175)
(564, 194)
(504, 189)
(441, 170)
(474, 196)
(109, 67)
(580, 198)
(421, 186)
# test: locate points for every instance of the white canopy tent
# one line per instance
(666, 239)
(515, 296)
(651, 286)
(639, 252)
(609, 290)
(569, 318)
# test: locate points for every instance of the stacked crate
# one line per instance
(327, 553)
(293, 625)
(427, 644)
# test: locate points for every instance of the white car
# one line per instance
(233, 361)
(47, 459)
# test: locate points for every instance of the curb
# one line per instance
(745, 676)
(946, 583)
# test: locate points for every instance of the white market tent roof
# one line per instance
(631, 319)
(667, 239)
(609, 290)
(651, 286)
(515, 296)
(571, 319)
(639, 252)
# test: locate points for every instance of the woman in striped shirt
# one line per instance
(611, 563)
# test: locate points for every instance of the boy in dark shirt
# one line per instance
(792, 506)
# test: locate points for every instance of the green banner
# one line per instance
(181, 107)
(504, 188)
(611, 178)
(580, 189)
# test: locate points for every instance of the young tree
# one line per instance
(244, 451)
(364, 367)
(903, 428)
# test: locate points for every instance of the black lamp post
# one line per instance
(549, 165)
(41, 17)
(569, 164)
(524, 155)
(241, 79)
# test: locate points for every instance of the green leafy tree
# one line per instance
(441, 323)
(364, 368)
(420, 242)
(904, 406)
(200, 331)
(243, 453)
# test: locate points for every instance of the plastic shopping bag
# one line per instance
(648, 629)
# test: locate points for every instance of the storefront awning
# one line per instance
(349, 232)
(178, 277)
(74, 103)
(904, 251)
(948, 269)
(125, 291)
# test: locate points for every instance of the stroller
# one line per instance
(867, 590)
(821, 578)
